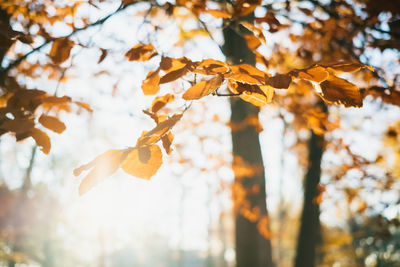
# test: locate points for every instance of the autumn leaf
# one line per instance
(220, 14)
(245, 7)
(141, 52)
(60, 50)
(52, 123)
(252, 41)
(245, 73)
(316, 74)
(203, 88)
(160, 102)
(41, 139)
(210, 67)
(346, 66)
(281, 81)
(102, 167)
(103, 55)
(339, 91)
(150, 85)
(167, 141)
(157, 132)
(17, 126)
(143, 162)
(173, 75)
(254, 94)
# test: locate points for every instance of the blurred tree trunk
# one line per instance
(252, 249)
(310, 232)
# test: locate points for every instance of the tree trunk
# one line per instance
(310, 232)
(252, 248)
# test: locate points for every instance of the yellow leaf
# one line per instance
(218, 13)
(61, 49)
(167, 141)
(203, 88)
(52, 123)
(143, 162)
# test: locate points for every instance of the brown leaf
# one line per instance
(135, 166)
(167, 141)
(160, 102)
(346, 66)
(173, 75)
(103, 166)
(281, 81)
(52, 123)
(17, 126)
(203, 88)
(103, 55)
(245, 7)
(150, 85)
(41, 139)
(245, 73)
(61, 49)
(339, 91)
(141, 52)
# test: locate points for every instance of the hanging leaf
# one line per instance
(157, 132)
(141, 52)
(252, 41)
(160, 102)
(52, 123)
(167, 141)
(102, 167)
(150, 85)
(254, 94)
(103, 55)
(60, 50)
(41, 139)
(143, 162)
(211, 67)
(339, 91)
(203, 88)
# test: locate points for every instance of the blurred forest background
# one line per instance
(331, 191)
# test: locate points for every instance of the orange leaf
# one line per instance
(103, 166)
(210, 67)
(220, 14)
(143, 162)
(245, 7)
(141, 52)
(316, 73)
(150, 85)
(257, 95)
(52, 123)
(41, 139)
(60, 50)
(160, 102)
(252, 42)
(203, 88)
(157, 132)
(339, 91)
